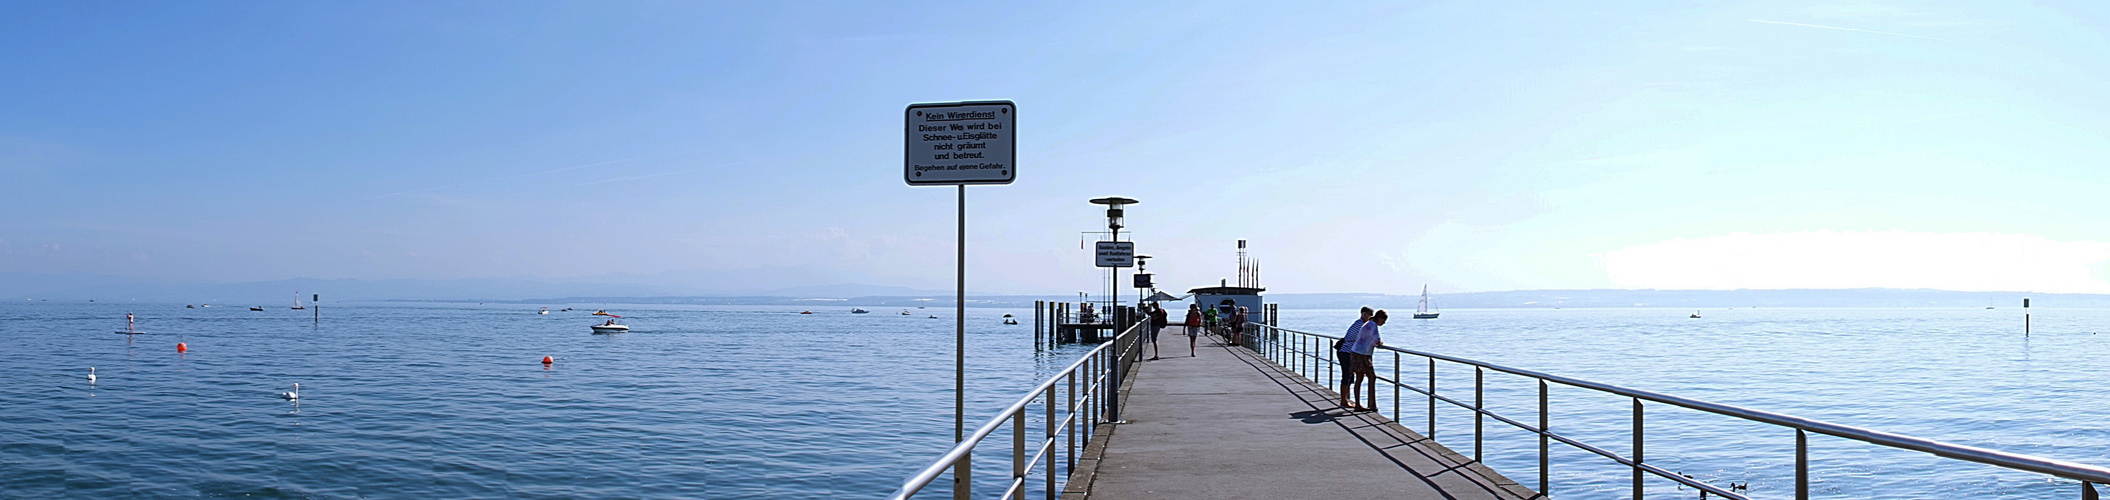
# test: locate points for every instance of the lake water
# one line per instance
(406, 400)
(1965, 376)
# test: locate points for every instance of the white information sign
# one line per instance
(961, 143)
(1117, 254)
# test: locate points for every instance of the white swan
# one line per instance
(91, 375)
(292, 395)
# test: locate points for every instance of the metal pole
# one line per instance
(1071, 457)
(960, 473)
(1479, 395)
(1018, 448)
(1802, 465)
(1637, 448)
(1543, 444)
(2088, 491)
(1048, 462)
(1395, 386)
(1432, 398)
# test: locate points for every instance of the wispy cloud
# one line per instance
(1784, 23)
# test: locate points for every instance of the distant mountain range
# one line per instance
(695, 288)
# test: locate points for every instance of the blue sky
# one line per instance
(1361, 147)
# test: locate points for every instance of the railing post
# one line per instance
(1802, 465)
(1018, 449)
(1637, 448)
(1071, 427)
(1048, 404)
(1479, 395)
(1543, 448)
(1432, 399)
(1395, 386)
(963, 477)
(2088, 491)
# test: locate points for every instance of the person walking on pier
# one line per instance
(1365, 347)
(1194, 326)
(1345, 357)
(1157, 324)
(1237, 326)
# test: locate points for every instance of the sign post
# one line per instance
(956, 144)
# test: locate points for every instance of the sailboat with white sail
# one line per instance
(1423, 312)
(296, 302)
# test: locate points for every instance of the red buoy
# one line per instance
(181, 348)
(548, 360)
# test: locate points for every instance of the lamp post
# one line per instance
(1115, 216)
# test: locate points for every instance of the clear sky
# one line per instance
(1361, 147)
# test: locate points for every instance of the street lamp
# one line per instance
(1115, 216)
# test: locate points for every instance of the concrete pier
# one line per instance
(1228, 424)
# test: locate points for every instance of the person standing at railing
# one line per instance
(1194, 326)
(1364, 347)
(1345, 358)
(1237, 326)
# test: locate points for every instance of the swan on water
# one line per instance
(91, 374)
(291, 395)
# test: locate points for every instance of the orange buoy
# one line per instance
(181, 348)
(548, 360)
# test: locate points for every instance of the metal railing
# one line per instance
(1310, 355)
(1089, 396)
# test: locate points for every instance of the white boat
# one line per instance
(296, 302)
(611, 327)
(544, 310)
(1423, 312)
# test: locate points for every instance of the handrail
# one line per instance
(2084, 473)
(1102, 365)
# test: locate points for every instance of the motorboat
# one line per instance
(1009, 321)
(256, 308)
(598, 312)
(1695, 315)
(854, 310)
(611, 326)
(805, 312)
(544, 310)
(904, 312)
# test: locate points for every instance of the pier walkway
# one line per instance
(1228, 424)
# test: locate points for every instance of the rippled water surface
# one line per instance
(1965, 376)
(450, 400)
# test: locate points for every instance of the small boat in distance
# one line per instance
(611, 326)
(904, 312)
(188, 306)
(1695, 315)
(296, 302)
(1423, 312)
(805, 312)
(256, 308)
(854, 310)
(598, 312)
(544, 310)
